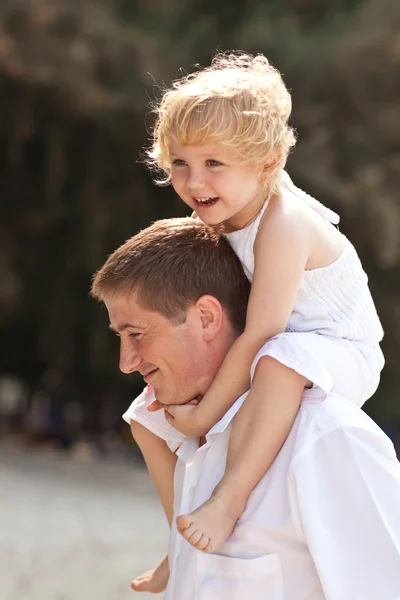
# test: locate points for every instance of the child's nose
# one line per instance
(196, 180)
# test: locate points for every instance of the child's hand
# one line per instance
(154, 406)
(184, 418)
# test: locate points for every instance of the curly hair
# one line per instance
(240, 101)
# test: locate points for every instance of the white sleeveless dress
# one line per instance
(334, 313)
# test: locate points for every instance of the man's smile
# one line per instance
(148, 375)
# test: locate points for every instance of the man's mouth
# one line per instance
(206, 201)
(149, 375)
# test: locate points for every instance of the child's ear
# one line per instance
(210, 313)
(272, 163)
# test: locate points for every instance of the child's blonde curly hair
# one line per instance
(239, 101)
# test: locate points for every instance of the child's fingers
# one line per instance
(177, 410)
(155, 405)
(181, 417)
(170, 419)
(180, 410)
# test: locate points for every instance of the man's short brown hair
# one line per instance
(171, 264)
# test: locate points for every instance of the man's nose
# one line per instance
(129, 359)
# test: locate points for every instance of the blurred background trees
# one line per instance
(76, 78)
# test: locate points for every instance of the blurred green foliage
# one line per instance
(76, 78)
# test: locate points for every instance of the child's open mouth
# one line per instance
(206, 201)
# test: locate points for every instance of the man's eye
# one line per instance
(136, 336)
(213, 163)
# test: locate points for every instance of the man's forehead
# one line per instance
(126, 311)
(123, 308)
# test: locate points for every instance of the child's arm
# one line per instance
(281, 252)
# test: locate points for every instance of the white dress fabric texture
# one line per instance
(334, 307)
(322, 524)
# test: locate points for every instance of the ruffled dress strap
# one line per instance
(325, 212)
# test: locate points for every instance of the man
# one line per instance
(324, 522)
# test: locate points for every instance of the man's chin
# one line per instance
(174, 400)
(165, 398)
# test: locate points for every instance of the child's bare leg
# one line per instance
(160, 462)
(259, 430)
(154, 581)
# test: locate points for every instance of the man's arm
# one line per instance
(153, 421)
(346, 492)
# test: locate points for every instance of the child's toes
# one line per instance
(189, 531)
(203, 542)
(183, 522)
(195, 537)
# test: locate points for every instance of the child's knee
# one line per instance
(278, 371)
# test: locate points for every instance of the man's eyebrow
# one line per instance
(122, 327)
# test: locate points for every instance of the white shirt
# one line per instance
(322, 524)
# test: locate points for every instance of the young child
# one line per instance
(222, 139)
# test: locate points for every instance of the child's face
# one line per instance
(215, 183)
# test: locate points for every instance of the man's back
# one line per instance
(324, 522)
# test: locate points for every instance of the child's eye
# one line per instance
(213, 163)
(178, 162)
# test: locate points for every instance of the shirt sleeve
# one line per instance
(153, 421)
(346, 492)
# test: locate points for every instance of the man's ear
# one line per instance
(210, 313)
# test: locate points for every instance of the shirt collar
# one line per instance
(191, 444)
(227, 418)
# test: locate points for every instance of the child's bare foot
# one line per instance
(154, 581)
(207, 527)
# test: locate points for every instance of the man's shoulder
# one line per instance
(335, 420)
(334, 412)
